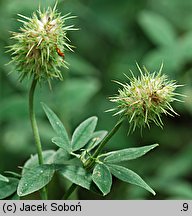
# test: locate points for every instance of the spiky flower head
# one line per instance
(40, 45)
(146, 98)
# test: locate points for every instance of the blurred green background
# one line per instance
(113, 36)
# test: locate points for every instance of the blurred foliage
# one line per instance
(113, 35)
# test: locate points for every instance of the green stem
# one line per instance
(35, 130)
(108, 137)
(69, 191)
(90, 162)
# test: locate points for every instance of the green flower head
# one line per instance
(40, 45)
(146, 98)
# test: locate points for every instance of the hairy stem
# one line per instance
(35, 130)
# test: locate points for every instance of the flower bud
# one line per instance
(145, 98)
(40, 45)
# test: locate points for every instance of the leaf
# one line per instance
(96, 138)
(3, 178)
(77, 175)
(48, 157)
(159, 30)
(8, 188)
(83, 133)
(59, 142)
(34, 179)
(128, 154)
(58, 127)
(61, 156)
(129, 176)
(102, 178)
